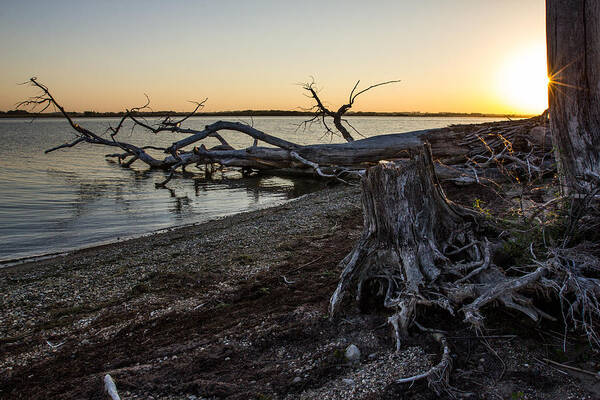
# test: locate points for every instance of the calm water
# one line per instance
(74, 198)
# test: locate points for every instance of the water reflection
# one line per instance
(135, 190)
(83, 208)
(180, 204)
(73, 197)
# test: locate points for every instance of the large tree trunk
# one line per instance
(573, 36)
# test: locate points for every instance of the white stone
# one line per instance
(352, 353)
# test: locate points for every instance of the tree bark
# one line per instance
(408, 227)
(419, 250)
(573, 36)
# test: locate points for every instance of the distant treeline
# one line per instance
(247, 113)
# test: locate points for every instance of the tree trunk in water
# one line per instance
(573, 36)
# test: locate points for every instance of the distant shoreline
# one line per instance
(253, 113)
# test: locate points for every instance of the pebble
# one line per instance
(348, 381)
(297, 380)
(352, 353)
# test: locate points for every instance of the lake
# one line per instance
(75, 198)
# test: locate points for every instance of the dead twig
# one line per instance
(583, 371)
(321, 112)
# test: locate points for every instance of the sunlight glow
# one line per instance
(523, 81)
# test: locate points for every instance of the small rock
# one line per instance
(297, 380)
(349, 382)
(372, 356)
(227, 358)
(352, 353)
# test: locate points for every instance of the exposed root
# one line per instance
(437, 376)
(573, 278)
(421, 251)
(413, 238)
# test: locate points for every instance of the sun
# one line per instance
(523, 81)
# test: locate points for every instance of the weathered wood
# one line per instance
(413, 240)
(409, 229)
(573, 37)
(419, 250)
(453, 145)
(471, 149)
(111, 388)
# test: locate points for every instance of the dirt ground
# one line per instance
(247, 319)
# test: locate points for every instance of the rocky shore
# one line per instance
(237, 308)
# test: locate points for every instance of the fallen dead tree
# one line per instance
(463, 153)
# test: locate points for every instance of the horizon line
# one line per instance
(257, 113)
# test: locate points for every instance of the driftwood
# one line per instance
(321, 112)
(110, 388)
(463, 153)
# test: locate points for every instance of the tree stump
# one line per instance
(420, 249)
(412, 237)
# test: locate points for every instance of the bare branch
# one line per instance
(353, 97)
(322, 112)
(62, 146)
(85, 135)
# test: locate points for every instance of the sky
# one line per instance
(451, 56)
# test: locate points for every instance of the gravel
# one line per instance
(41, 298)
(370, 378)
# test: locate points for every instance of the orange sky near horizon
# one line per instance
(460, 56)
